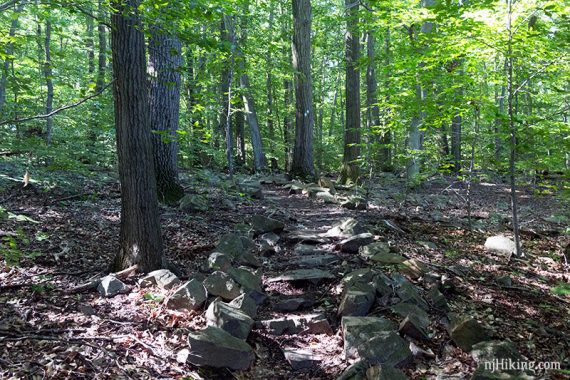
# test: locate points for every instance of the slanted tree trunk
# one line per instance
(259, 162)
(350, 171)
(164, 62)
(302, 164)
(140, 241)
(9, 50)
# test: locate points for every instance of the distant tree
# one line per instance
(140, 239)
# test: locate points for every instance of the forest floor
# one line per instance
(48, 331)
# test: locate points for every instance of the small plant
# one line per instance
(562, 289)
(153, 297)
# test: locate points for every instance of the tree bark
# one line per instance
(9, 50)
(227, 35)
(164, 62)
(302, 164)
(350, 171)
(140, 239)
(287, 125)
(48, 74)
(259, 162)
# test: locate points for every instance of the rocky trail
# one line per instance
(294, 281)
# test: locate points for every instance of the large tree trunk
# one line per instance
(350, 171)
(102, 52)
(287, 125)
(372, 109)
(385, 154)
(302, 164)
(164, 64)
(9, 49)
(140, 240)
(269, 86)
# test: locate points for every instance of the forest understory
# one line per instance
(50, 329)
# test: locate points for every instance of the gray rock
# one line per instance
(326, 197)
(222, 285)
(215, 347)
(190, 296)
(346, 228)
(353, 243)
(306, 236)
(110, 286)
(405, 309)
(364, 275)
(230, 244)
(361, 370)
(356, 302)
(372, 249)
(500, 244)
(163, 278)
(499, 352)
(257, 296)
(505, 281)
(308, 250)
(355, 203)
(313, 261)
(194, 203)
(428, 244)
(248, 259)
(374, 340)
(262, 224)
(437, 299)
(468, 332)
(219, 261)
(245, 304)
(228, 318)
(292, 304)
(415, 326)
(251, 189)
(269, 238)
(244, 277)
(312, 275)
(301, 359)
(414, 268)
(310, 323)
(228, 204)
(409, 293)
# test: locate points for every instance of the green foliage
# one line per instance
(562, 289)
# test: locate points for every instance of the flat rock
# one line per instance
(374, 340)
(296, 324)
(353, 243)
(362, 370)
(326, 197)
(262, 224)
(468, 332)
(228, 318)
(500, 244)
(301, 359)
(308, 250)
(110, 286)
(437, 299)
(405, 309)
(190, 296)
(306, 236)
(415, 326)
(313, 261)
(219, 261)
(381, 255)
(245, 278)
(215, 347)
(163, 278)
(292, 304)
(222, 285)
(355, 203)
(248, 259)
(251, 189)
(245, 304)
(414, 268)
(346, 228)
(312, 275)
(501, 353)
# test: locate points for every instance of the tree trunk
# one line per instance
(140, 240)
(240, 131)
(287, 125)
(456, 143)
(90, 44)
(385, 156)
(259, 163)
(372, 109)
(9, 50)
(350, 171)
(48, 73)
(228, 36)
(164, 62)
(269, 86)
(102, 52)
(302, 164)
